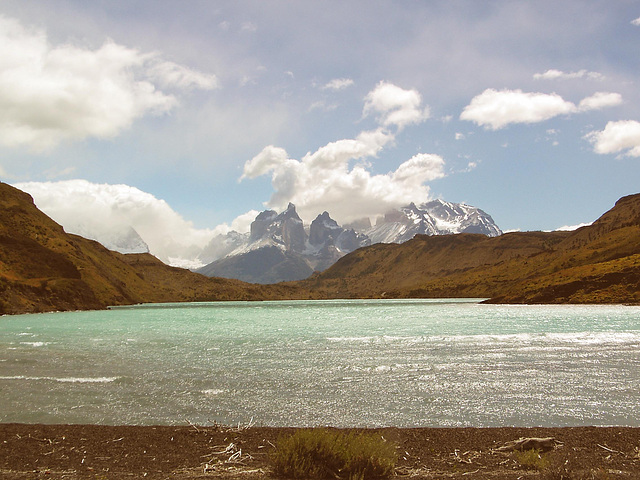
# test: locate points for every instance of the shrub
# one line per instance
(322, 453)
(561, 468)
(531, 459)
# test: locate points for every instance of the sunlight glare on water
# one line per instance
(341, 363)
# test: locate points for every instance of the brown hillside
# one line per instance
(42, 268)
(595, 264)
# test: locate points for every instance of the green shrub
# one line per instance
(322, 453)
(531, 459)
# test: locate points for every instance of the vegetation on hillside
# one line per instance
(599, 263)
(42, 268)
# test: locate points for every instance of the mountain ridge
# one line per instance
(303, 254)
(599, 263)
(42, 268)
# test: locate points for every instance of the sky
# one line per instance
(185, 119)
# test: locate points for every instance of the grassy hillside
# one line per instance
(42, 268)
(595, 264)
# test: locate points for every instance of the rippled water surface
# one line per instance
(342, 363)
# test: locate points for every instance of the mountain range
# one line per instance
(599, 263)
(43, 268)
(280, 248)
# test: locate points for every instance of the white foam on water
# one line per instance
(64, 379)
(213, 391)
(35, 344)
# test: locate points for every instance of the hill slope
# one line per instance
(42, 268)
(595, 264)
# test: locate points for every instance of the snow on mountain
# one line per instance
(278, 248)
(222, 245)
(432, 218)
(460, 218)
(125, 240)
(300, 254)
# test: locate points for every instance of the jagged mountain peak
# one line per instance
(327, 241)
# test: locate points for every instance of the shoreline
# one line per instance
(29, 451)
(480, 301)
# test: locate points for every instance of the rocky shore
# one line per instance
(195, 452)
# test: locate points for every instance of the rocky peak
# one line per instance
(291, 230)
(460, 218)
(284, 229)
(327, 241)
(322, 229)
(261, 224)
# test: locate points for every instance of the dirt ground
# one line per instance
(195, 452)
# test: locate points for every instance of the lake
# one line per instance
(406, 363)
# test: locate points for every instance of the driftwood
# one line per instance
(524, 444)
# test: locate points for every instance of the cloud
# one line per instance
(395, 106)
(169, 74)
(560, 75)
(600, 100)
(337, 176)
(636, 22)
(100, 211)
(616, 137)
(49, 94)
(495, 109)
(322, 106)
(338, 84)
(323, 180)
(242, 223)
(571, 228)
(248, 27)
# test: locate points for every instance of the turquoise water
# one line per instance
(308, 363)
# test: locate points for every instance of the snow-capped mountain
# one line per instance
(124, 240)
(222, 245)
(461, 218)
(328, 241)
(279, 248)
(432, 218)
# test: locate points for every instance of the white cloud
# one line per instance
(395, 106)
(242, 223)
(328, 179)
(616, 137)
(571, 228)
(49, 94)
(322, 106)
(636, 22)
(100, 211)
(553, 74)
(600, 100)
(248, 27)
(169, 74)
(338, 84)
(496, 109)
(323, 180)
